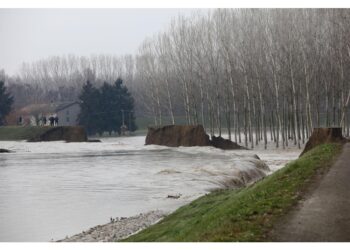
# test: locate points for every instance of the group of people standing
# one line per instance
(41, 120)
(51, 121)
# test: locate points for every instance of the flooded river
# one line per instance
(49, 190)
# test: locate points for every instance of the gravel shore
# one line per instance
(118, 228)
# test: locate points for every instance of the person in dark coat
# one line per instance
(52, 120)
(56, 120)
(20, 120)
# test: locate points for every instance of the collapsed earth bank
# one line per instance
(3, 150)
(324, 135)
(187, 136)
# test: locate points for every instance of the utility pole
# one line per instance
(123, 117)
(129, 120)
(123, 128)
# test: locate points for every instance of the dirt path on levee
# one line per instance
(324, 214)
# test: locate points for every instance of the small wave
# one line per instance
(260, 164)
(242, 178)
(169, 171)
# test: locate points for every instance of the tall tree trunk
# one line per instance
(202, 103)
(296, 130)
(249, 112)
(218, 113)
(262, 113)
(170, 101)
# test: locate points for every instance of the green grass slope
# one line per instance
(12, 133)
(246, 214)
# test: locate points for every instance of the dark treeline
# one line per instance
(256, 74)
(6, 101)
(106, 109)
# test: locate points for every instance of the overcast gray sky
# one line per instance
(30, 34)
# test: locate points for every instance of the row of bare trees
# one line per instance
(253, 71)
(255, 74)
(61, 78)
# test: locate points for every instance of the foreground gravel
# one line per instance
(118, 228)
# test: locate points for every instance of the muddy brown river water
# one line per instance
(49, 190)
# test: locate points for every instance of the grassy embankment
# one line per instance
(247, 214)
(12, 133)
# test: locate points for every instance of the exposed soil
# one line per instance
(323, 135)
(2, 150)
(187, 136)
(178, 135)
(222, 143)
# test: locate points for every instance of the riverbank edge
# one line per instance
(117, 228)
(43, 133)
(247, 214)
(19, 133)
